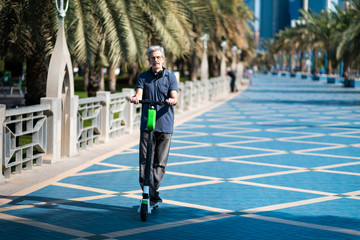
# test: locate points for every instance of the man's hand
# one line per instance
(171, 101)
(134, 99)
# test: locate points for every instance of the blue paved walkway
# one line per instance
(279, 161)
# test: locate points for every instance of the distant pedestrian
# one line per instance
(247, 75)
(255, 69)
(233, 80)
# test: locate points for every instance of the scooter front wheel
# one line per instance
(144, 212)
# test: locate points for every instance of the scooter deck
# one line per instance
(153, 206)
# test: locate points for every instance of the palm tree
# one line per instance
(286, 42)
(127, 28)
(101, 34)
(267, 57)
(28, 32)
(231, 18)
(348, 46)
(322, 26)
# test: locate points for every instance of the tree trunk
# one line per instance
(102, 80)
(134, 71)
(94, 81)
(193, 64)
(329, 67)
(213, 66)
(291, 67)
(36, 77)
(86, 79)
(346, 63)
(315, 70)
(302, 66)
(345, 67)
(284, 62)
(112, 79)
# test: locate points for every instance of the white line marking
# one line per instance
(283, 188)
(303, 224)
(191, 162)
(339, 172)
(268, 175)
(45, 226)
(60, 201)
(192, 175)
(288, 205)
(337, 165)
(91, 189)
(100, 172)
(262, 164)
(166, 225)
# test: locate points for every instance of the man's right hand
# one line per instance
(134, 99)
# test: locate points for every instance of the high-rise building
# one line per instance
(294, 7)
(311, 5)
(318, 5)
(274, 17)
(254, 6)
(271, 16)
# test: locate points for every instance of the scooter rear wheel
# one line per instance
(144, 212)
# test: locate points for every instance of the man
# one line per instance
(156, 84)
(233, 79)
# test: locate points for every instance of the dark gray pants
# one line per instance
(161, 149)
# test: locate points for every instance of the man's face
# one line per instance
(156, 60)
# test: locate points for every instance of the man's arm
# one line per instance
(172, 101)
(138, 96)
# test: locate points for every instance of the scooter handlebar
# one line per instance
(150, 102)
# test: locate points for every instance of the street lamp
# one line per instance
(61, 10)
(223, 43)
(205, 38)
(234, 51)
(223, 63)
(205, 66)
(204, 60)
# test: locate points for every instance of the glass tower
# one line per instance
(274, 17)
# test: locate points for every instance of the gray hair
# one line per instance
(155, 48)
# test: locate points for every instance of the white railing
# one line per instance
(25, 132)
(89, 122)
(24, 138)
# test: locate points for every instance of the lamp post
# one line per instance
(239, 68)
(223, 63)
(233, 64)
(204, 61)
(62, 137)
(205, 67)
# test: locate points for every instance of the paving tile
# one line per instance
(342, 213)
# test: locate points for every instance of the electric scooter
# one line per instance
(145, 204)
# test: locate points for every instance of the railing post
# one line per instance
(130, 110)
(181, 93)
(2, 119)
(53, 152)
(73, 150)
(182, 96)
(190, 97)
(209, 93)
(105, 116)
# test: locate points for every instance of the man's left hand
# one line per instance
(171, 101)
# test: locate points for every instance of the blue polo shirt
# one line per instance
(158, 89)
